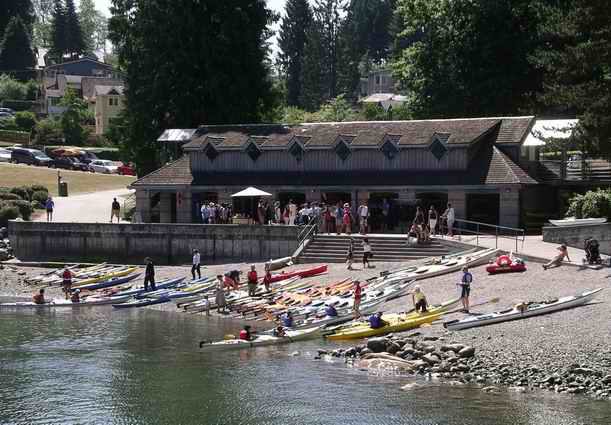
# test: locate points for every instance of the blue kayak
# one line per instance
(142, 302)
(168, 283)
(110, 282)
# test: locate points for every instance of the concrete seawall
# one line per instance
(574, 236)
(165, 243)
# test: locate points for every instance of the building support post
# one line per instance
(165, 207)
(509, 207)
(143, 206)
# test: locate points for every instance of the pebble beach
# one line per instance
(565, 352)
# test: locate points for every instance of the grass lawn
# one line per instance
(12, 175)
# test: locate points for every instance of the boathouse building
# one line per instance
(477, 164)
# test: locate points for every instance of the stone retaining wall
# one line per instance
(574, 236)
(165, 243)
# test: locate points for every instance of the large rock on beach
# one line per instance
(393, 348)
(452, 347)
(431, 359)
(466, 352)
(378, 345)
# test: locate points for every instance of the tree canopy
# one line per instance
(16, 54)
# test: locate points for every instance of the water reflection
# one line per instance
(143, 367)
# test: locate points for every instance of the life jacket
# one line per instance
(287, 321)
(330, 311)
(67, 275)
(375, 322)
(244, 335)
(252, 277)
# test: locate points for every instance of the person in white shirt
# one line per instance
(292, 212)
(449, 216)
(196, 265)
(367, 254)
(363, 217)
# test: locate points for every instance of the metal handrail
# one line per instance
(518, 234)
(307, 231)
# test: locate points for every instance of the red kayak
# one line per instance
(504, 264)
(298, 273)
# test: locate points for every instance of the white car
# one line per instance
(5, 155)
(103, 166)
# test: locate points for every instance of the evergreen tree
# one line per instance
(12, 8)
(327, 14)
(291, 42)
(16, 53)
(93, 25)
(208, 57)
(58, 36)
(312, 91)
(75, 42)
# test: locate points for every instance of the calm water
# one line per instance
(143, 367)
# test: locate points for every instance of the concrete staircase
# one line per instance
(325, 248)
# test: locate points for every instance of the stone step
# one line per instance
(386, 252)
(303, 259)
(318, 243)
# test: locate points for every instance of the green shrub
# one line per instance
(9, 196)
(128, 213)
(19, 105)
(39, 198)
(12, 136)
(11, 89)
(8, 124)
(24, 192)
(7, 212)
(591, 204)
(25, 121)
(24, 207)
(39, 188)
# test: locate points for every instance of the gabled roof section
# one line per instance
(500, 169)
(177, 173)
(60, 65)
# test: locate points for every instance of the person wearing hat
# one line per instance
(149, 275)
(376, 321)
(252, 281)
(419, 300)
(76, 296)
(465, 285)
(196, 267)
(245, 333)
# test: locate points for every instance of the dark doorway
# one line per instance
(155, 213)
(380, 220)
(298, 198)
(332, 198)
(437, 199)
(483, 207)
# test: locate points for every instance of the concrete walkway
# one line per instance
(86, 208)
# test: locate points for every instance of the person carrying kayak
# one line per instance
(287, 320)
(252, 281)
(76, 296)
(419, 300)
(245, 333)
(39, 298)
(465, 285)
(376, 321)
(67, 282)
(330, 311)
(279, 332)
(357, 292)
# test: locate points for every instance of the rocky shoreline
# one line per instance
(439, 357)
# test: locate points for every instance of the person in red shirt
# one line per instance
(267, 281)
(245, 333)
(252, 281)
(67, 282)
(357, 299)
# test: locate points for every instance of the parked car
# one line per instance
(5, 155)
(7, 110)
(68, 163)
(103, 166)
(6, 115)
(86, 157)
(30, 157)
(127, 169)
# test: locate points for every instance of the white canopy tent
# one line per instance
(250, 192)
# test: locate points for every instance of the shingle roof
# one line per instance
(177, 173)
(510, 130)
(490, 166)
(102, 90)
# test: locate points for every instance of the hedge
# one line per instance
(25, 208)
(592, 204)
(7, 212)
(19, 105)
(40, 198)
(23, 192)
(9, 196)
(12, 136)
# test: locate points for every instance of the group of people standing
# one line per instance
(215, 213)
(426, 224)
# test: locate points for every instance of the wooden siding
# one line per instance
(328, 160)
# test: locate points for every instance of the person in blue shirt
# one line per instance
(287, 320)
(376, 321)
(330, 311)
(465, 285)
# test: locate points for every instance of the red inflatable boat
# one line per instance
(504, 264)
(300, 273)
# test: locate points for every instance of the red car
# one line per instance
(126, 170)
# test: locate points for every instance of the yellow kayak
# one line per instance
(396, 323)
(107, 276)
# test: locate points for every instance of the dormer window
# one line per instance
(389, 149)
(438, 148)
(211, 152)
(297, 151)
(253, 151)
(342, 150)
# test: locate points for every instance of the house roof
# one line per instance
(60, 65)
(104, 90)
(490, 166)
(509, 130)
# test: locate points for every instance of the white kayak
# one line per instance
(260, 340)
(518, 312)
(572, 221)
(63, 303)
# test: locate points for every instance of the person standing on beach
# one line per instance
(67, 282)
(563, 252)
(219, 295)
(252, 281)
(367, 254)
(149, 275)
(49, 206)
(465, 284)
(196, 267)
(357, 293)
(350, 253)
(115, 210)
